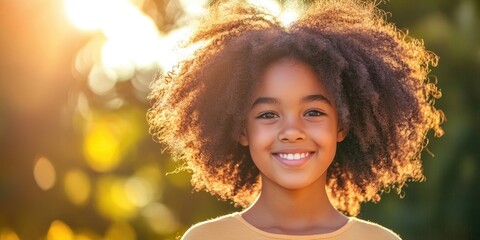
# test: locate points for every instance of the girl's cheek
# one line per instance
(266, 134)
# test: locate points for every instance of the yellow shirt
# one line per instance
(234, 227)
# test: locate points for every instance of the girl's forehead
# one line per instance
(286, 70)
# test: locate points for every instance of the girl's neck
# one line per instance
(298, 211)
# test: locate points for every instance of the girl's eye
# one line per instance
(314, 113)
(267, 115)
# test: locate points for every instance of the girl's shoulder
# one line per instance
(371, 229)
(223, 227)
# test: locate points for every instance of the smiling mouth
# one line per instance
(293, 156)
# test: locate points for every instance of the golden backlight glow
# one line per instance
(86, 14)
(132, 40)
(286, 15)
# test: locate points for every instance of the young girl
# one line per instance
(298, 124)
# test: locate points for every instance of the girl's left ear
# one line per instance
(341, 134)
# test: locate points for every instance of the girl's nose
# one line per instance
(292, 132)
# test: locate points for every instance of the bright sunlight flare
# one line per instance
(131, 40)
(286, 15)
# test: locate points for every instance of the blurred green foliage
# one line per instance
(75, 164)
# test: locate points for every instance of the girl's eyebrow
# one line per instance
(265, 100)
(306, 99)
(316, 97)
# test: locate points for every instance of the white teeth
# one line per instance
(293, 156)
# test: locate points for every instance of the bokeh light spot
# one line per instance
(89, 55)
(112, 200)
(113, 56)
(82, 237)
(151, 173)
(87, 235)
(83, 108)
(77, 186)
(120, 231)
(115, 103)
(142, 80)
(102, 148)
(102, 80)
(8, 234)
(44, 173)
(59, 231)
(160, 219)
(110, 136)
(139, 191)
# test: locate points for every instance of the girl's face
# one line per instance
(291, 128)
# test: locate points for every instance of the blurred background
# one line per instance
(76, 159)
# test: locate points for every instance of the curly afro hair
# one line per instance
(377, 75)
